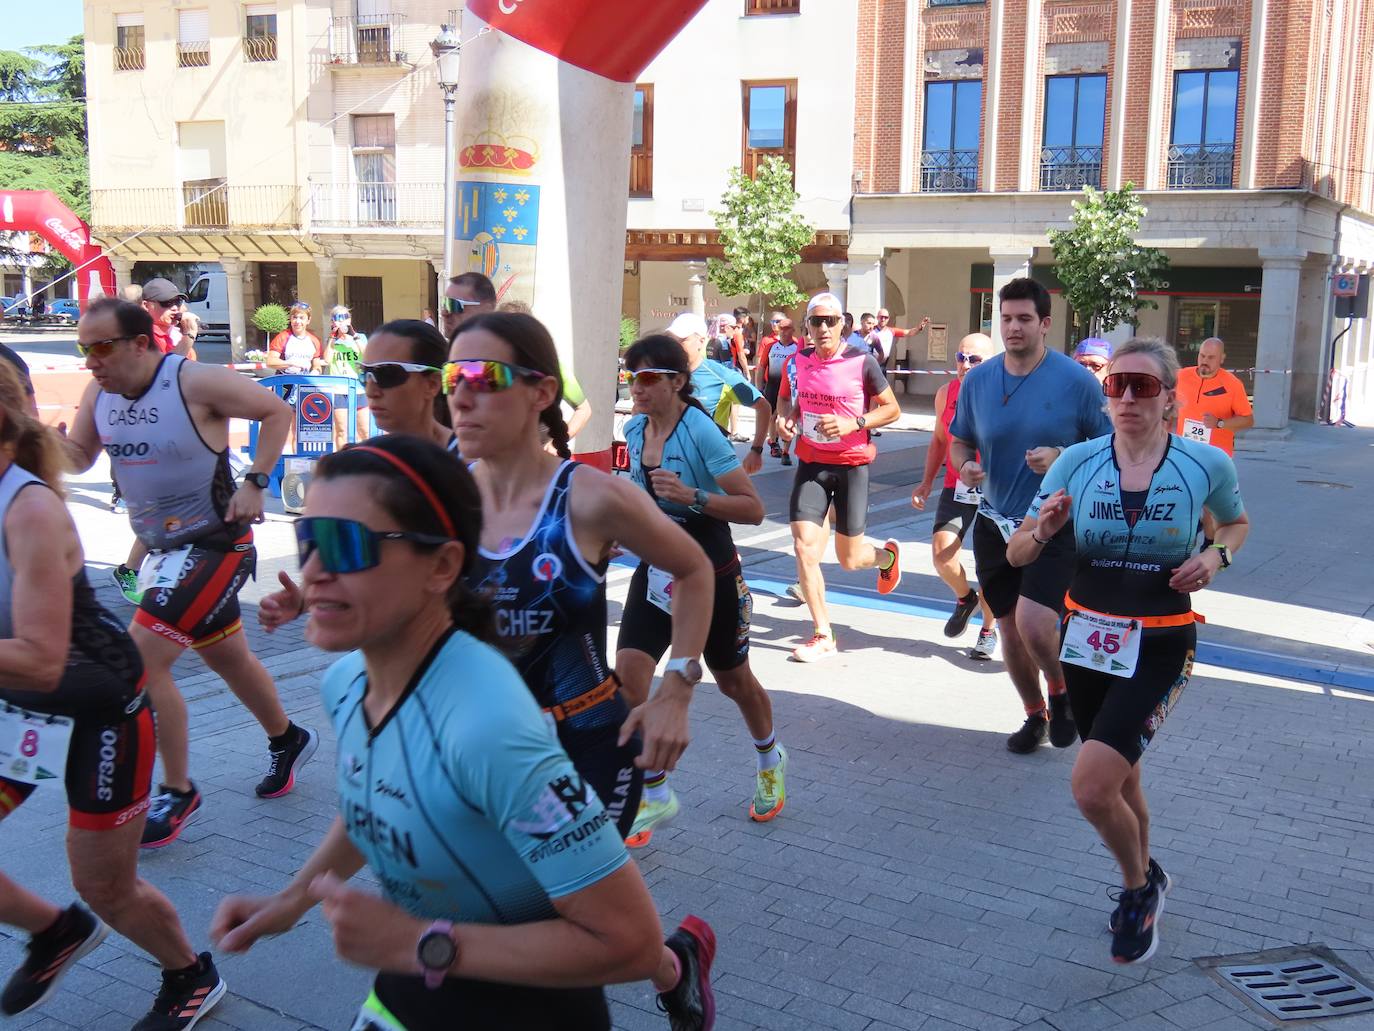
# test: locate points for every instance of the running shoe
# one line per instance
(964, 609)
(691, 1005)
(117, 502)
(774, 450)
(1136, 936)
(986, 646)
(50, 954)
(821, 646)
(787, 458)
(1063, 731)
(770, 791)
(794, 592)
(127, 581)
(186, 996)
(1031, 736)
(1156, 876)
(889, 578)
(168, 813)
(650, 817)
(281, 774)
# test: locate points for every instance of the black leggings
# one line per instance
(461, 1005)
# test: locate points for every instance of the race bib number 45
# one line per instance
(1103, 643)
(33, 745)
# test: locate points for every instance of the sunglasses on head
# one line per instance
(301, 306)
(346, 545)
(648, 376)
(815, 321)
(456, 305)
(389, 374)
(99, 348)
(969, 359)
(1140, 384)
(1092, 363)
(485, 377)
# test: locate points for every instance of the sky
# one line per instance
(27, 24)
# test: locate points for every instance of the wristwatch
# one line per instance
(860, 422)
(688, 669)
(1225, 554)
(436, 952)
(1221, 423)
(758, 450)
(260, 480)
(698, 504)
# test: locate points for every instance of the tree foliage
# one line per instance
(1101, 266)
(762, 234)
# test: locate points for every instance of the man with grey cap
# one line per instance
(719, 388)
(163, 301)
(832, 396)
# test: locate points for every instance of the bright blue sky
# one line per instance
(31, 24)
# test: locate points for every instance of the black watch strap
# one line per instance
(260, 480)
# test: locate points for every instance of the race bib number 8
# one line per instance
(33, 745)
(1196, 429)
(660, 589)
(1103, 643)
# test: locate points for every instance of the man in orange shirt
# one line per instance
(1212, 404)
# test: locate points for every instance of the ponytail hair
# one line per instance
(457, 516)
(661, 351)
(534, 349)
(31, 445)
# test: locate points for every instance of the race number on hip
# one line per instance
(1005, 525)
(966, 495)
(1196, 429)
(33, 745)
(162, 568)
(660, 590)
(1103, 643)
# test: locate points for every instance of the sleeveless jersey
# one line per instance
(461, 801)
(778, 353)
(176, 488)
(842, 385)
(550, 607)
(947, 417)
(103, 671)
(1129, 542)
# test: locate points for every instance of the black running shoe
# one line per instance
(691, 1005)
(1156, 876)
(1031, 735)
(964, 609)
(1063, 730)
(186, 996)
(787, 458)
(51, 953)
(168, 813)
(281, 774)
(1136, 936)
(774, 450)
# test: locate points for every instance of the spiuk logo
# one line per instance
(547, 567)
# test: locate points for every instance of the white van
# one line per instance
(208, 298)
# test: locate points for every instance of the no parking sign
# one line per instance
(314, 422)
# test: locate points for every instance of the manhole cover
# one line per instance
(1329, 484)
(1295, 984)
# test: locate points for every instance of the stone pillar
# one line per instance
(124, 272)
(867, 283)
(234, 270)
(1009, 264)
(26, 290)
(837, 281)
(328, 268)
(1279, 289)
(696, 287)
(1311, 337)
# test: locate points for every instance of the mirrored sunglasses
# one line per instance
(1140, 384)
(648, 376)
(968, 359)
(348, 546)
(485, 377)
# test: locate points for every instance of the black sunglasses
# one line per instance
(389, 374)
(456, 305)
(815, 321)
(1140, 384)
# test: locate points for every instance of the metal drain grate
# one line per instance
(1296, 985)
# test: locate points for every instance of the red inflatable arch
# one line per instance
(39, 211)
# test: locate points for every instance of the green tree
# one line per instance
(1101, 266)
(762, 235)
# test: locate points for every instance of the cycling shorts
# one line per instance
(953, 516)
(1125, 714)
(109, 770)
(647, 628)
(203, 607)
(817, 486)
(609, 767)
(483, 1004)
(1046, 580)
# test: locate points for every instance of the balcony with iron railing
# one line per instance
(381, 205)
(260, 48)
(949, 171)
(128, 59)
(369, 39)
(193, 53)
(754, 157)
(1070, 168)
(199, 205)
(1201, 166)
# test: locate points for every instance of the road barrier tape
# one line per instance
(954, 372)
(78, 365)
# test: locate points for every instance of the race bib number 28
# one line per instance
(1196, 429)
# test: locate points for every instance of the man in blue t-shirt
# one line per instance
(719, 388)
(1017, 411)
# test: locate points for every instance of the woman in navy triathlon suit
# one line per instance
(73, 706)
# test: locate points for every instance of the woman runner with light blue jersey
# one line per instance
(1135, 498)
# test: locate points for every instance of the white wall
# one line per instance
(697, 108)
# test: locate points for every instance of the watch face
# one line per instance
(437, 951)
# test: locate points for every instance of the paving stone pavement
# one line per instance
(920, 877)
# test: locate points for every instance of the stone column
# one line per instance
(837, 280)
(234, 269)
(1279, 289)
(26, 290)
(328, 269)
(124, 272)
(696, 287)
(1009, 264)
(867, 282)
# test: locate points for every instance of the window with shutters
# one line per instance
(770, 124)
(129, 42)
(260, 32)
(374, 166)
(193, 38)
(642, 144)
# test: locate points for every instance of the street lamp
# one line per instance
(446, 46)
